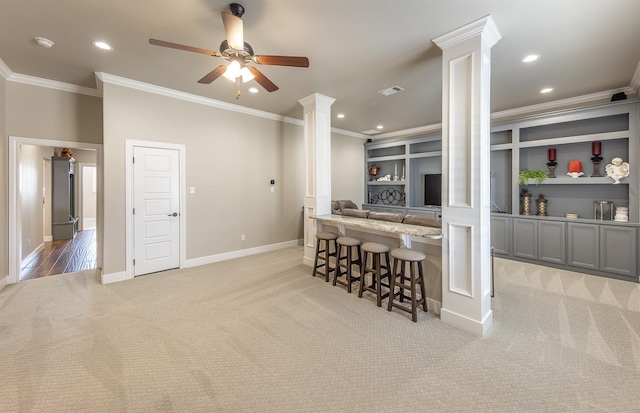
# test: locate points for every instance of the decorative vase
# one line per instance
(373, 171)
(542, 205)
(525, 202)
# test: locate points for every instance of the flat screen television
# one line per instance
(433, 189)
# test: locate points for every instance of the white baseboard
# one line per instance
(32, 255)
(48, 238)
(308, 261)
(478, 328)
(113, 277)
(195, 262)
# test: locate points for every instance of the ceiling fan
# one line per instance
(238, 53)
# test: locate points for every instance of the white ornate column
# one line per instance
(317, 150)
(466, 246)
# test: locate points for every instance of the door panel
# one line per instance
(156, 200)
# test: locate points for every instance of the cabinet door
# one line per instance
(372, 208)
(525, 238)
(422, 212)
(584, 245)
(552, 242)
(618, 250)
(394, 210)
(501, 235)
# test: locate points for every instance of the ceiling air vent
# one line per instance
(390, 90)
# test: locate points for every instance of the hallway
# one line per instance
(63, 256)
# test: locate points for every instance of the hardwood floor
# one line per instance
(59, 257)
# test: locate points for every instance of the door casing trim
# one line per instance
(129, 233)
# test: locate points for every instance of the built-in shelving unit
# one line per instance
(407, 159)
(524, 144)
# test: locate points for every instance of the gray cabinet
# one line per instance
(584, 245)
(64, 223)
(539, 240)
(593, 247)
(618, 250)
(525, 238)
(552, 242)
(427, 212)
(501, 235)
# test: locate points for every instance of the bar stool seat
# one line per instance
(323, 252)
(346, 260)
(377, 270)
(401, 257)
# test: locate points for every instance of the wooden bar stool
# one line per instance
(346, 246)
(401, 257)
(323, 252)
(377, 270)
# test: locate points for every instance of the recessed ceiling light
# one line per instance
(546, 90)
(102, 45)
(340, 115)
(531, 58)
(44, 42)
(379, 127)
(253, 90)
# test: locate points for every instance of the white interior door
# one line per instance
(156, 205)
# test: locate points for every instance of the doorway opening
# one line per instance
(48, 232)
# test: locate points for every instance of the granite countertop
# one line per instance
(385, 226)
(564, 219)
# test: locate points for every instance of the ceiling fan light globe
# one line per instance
(246, 75)
(233, 71)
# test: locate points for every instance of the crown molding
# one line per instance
(634, 87)
(557, 104)
(54, 84)
(176, 94)
(484, 26)
(522, 111)
(4, 70)
(349, 133)
(436, 127)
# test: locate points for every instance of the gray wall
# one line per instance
(230, 159)
(347, 168)
(37, 112)
(31, 167)
(4, 188)
(42, 113)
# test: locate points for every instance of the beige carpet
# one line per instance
(259, 334)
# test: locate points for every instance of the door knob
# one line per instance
(175, 214)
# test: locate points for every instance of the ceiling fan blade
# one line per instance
(233, 29)
(294, 61)
(213, 75)
(162, 43)
(263, 80)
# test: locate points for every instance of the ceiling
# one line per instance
(355, 48)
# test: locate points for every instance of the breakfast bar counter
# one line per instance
(394, 234)
(404, 231)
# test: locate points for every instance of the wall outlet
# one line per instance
(28, 242)
(242, 237)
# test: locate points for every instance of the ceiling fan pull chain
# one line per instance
(238, 87)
